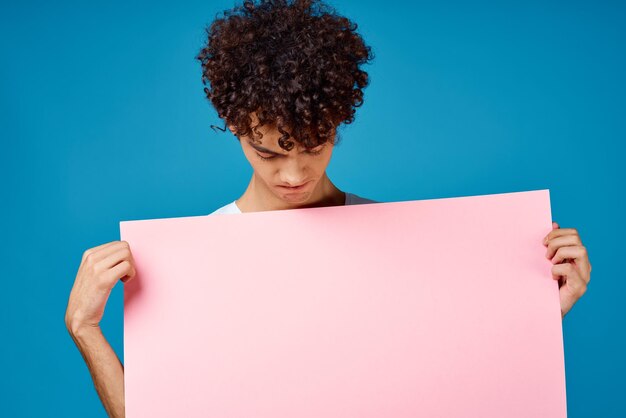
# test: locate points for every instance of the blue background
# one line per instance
(103, 119)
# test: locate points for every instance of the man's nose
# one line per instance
(293, 173)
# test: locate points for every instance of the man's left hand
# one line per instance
(571, 264)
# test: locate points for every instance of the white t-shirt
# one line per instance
(351, 199)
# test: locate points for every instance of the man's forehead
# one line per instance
(270, 136)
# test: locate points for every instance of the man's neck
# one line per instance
(258, 197)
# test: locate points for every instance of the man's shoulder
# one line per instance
(227, 208)
(354, 199)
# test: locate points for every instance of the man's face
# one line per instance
(278, 169)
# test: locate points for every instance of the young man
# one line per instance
(283, 76)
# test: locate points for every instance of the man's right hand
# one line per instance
(100, 269)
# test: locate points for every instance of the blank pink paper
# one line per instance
(425, 308)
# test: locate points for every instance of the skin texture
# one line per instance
(102, 266)
(100, 269)
(571, 265)
(286, 168)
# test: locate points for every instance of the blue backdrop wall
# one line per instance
(103, 119)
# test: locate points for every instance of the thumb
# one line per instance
(555, 225)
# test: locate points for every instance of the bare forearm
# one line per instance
(107, 372)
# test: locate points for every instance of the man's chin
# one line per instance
(300, 197)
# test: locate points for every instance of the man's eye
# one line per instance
(265, 158)
(318, 152)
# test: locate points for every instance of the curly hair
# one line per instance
(295, 64)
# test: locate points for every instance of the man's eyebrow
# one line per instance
(263, 149)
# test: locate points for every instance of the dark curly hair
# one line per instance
(295, 64)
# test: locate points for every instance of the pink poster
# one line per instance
(429, 308)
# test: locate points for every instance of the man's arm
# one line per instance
(100, 269)
(105, 367)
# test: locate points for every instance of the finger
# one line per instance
(127, 278)
(105, 251)
(545, 238)
(563, 270)
(576, 252)
(571, 290)
(104, 254)
(114, 258)
(93, 250)
(121, 256)
(133, 272)
(123, 270)
(559, 233)
(558, 242)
